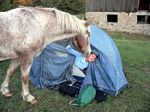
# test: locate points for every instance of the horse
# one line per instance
(25, 32)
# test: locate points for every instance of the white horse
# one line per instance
(24, 33)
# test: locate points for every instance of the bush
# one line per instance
(71, 6)
(6, 5)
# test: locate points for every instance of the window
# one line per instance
(144, 5)
(143, 19)
(112, 18)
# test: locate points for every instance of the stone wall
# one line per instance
(127, 22)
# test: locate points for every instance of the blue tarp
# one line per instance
(54, 64)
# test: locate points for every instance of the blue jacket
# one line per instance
(79, 58)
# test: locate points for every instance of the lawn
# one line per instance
(135, 53)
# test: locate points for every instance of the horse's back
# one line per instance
(8, 25)
(14, 27)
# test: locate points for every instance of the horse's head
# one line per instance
(82, 42)
(71, 24)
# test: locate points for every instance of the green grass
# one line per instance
(135, 55)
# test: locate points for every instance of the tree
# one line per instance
(5, 5)
(71, 6)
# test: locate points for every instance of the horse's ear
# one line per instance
(88, 22)
(54, 11)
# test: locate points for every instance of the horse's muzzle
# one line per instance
(87, 53)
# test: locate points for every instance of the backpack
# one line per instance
(66, 89)
(85, 96)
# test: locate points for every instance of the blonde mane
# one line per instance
(70, 22)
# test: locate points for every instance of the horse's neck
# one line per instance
(57, 37)
(42, 18)
(48, 24)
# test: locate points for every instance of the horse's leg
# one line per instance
(10, 72)
(25, 64)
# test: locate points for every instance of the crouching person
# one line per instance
(80, 63)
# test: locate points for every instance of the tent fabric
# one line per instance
(104, 43)
(54, 65)
(102, 74)
(106, 72)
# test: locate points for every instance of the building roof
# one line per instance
(117, 5)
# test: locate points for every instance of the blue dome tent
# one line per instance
(53, 66)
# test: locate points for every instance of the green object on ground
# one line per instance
(86, 95)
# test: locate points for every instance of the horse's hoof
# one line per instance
(30, 99)
(34, 102)
(8, 94)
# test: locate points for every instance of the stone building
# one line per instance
(131, 16)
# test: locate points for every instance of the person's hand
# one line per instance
(90, 58)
